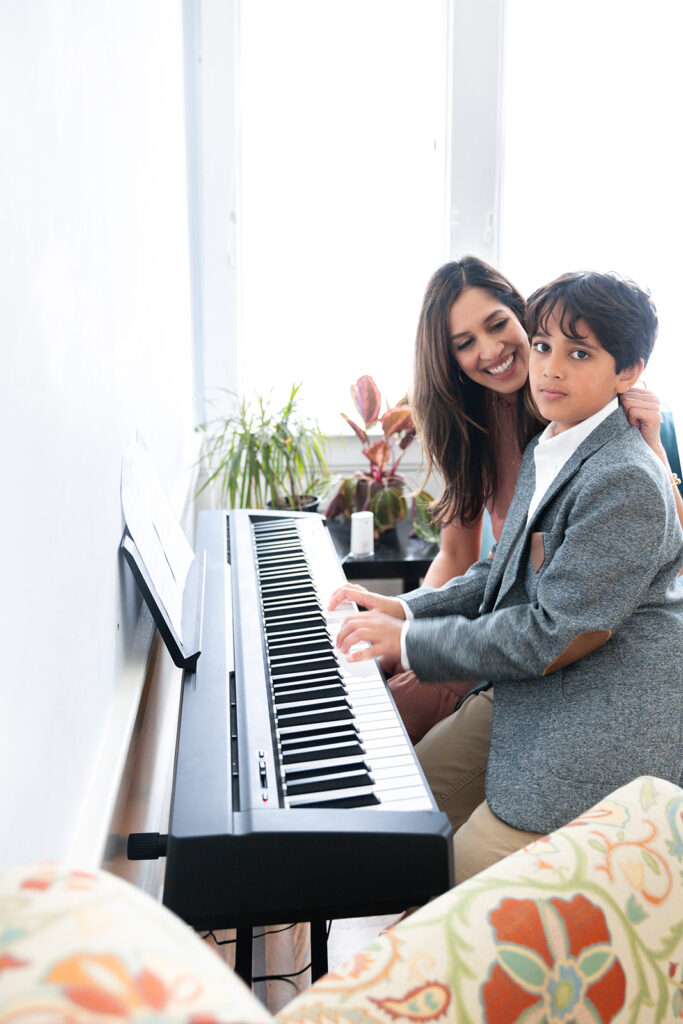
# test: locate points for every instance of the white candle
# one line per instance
(362, 533)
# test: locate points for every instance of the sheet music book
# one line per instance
(170, 575)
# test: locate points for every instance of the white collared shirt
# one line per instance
(550, 455)
(553, 450)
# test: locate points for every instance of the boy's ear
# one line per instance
(628, 377)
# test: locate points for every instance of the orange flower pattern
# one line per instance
(555, 963)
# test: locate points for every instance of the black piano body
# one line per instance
(238, 853)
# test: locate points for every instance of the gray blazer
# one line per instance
(578, 620)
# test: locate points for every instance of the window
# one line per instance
(591, 173)
(343, 108)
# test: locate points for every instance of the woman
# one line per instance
(475, 417)
(455, 752)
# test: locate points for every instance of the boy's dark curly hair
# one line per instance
(621, 315)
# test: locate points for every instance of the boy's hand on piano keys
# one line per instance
(367, 599)
(381, 632)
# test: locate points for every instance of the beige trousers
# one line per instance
(454, 755)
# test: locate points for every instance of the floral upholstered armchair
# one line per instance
(583, 926)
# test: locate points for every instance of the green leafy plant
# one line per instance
(380, 488)
(256, 455)
(423, 526)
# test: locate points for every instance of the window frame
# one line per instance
(474, 40)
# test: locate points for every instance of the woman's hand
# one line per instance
(643, 411)
(381, 632)
(366, 599)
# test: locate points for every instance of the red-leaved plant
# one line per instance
(380, 487)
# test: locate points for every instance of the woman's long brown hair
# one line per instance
(451, 410)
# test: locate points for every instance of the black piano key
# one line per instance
(327, 766)
(347, 798)
(281, 674)
(273, 581)
(327, 707)
(326, 668)
(294, 613)
(328, 782)
(325, 734)
(309, 729)
(320, 751)
(315, 637)
(286, 622)
(280, 555)
(286, 625)
(291, 604)
(284, 644)
(302, 658)
(278, 652)
(284, 692)
(306, 697)
(285, 588)
(284, 575)
(310, 682)
(301, 681)
(291, 669)
(332, 715)
(272, 588)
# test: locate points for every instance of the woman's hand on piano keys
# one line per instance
(381, 632)
(367, 599)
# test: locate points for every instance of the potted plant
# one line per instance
(380, 487)
(257, 455)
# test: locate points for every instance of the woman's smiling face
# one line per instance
(488, 342)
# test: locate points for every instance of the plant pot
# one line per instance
(305, 503)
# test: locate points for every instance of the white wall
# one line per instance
(95, 328)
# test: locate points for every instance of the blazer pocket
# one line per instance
(537, 553)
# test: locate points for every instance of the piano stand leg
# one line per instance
(243, 955)
(318, 949)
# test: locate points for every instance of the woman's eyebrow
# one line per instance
(492, 316)
(496, 313)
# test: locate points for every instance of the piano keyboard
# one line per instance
(286, 752)
(339, 738)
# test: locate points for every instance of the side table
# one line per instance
(397, 555)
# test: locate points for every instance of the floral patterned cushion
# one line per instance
(82, 947)
(583, 926)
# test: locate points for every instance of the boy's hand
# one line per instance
(381, 632)
(366, 599)
(643, 411)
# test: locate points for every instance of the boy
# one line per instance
(577, 620)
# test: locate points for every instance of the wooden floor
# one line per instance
(284, 950)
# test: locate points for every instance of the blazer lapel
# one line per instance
(509, 569)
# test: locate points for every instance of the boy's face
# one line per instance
(571, 380)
